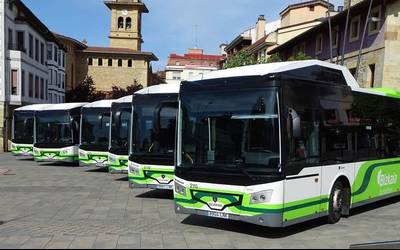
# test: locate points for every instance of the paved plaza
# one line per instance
(54, 206)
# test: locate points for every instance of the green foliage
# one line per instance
(274, 58)
(118, 92)
(242, 58)
(300, 57)
(85, 92)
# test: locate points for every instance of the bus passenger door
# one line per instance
(302, 193)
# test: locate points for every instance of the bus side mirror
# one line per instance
(296, 123)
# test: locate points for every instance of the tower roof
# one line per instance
(115, 3)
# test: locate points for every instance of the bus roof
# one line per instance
(270, 68)
(64, 106)
(100, 104)
(172, 88)
(125, 99)
(33, 107)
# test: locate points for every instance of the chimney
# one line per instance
(195, 51)
(260, 27)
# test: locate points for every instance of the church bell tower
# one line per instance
(126, 23)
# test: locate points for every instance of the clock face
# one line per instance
(125, 12)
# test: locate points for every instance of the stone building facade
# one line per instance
(379, 61)
(123, 63)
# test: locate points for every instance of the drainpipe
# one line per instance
(330, 34)
(363, 39)
(346, 31)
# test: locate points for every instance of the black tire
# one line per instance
(337, 203)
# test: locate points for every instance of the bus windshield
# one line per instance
(231, 131)
(54, 129)
(120, 129)
(23, 127)
(95, 129)
(154, 122)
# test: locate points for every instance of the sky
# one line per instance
(170, 27)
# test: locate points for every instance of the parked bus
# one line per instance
(283, 143)
(57, 133)
(152, 161)
(118, 154)
(23, 129)
(95, 134)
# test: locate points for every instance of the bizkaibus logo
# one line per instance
(386, 179)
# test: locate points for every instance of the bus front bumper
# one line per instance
(266, 220)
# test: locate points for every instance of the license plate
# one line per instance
(163, 187)
(218, 215)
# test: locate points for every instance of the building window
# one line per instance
(120, 23)
(128, 23)
(355, 29)
(14, 82)
(47, 89)
(55, 53)
(23, 83)
(42, 88)
(37, 50)
(110, 62)
(30, 46)
(319, 44)
(37, 87)
(63, 81)
(119, 62)
(100, 61)
(130, 63)
(302, 48)
(49, 51)
(90, 61)
(59, 57)
(353, 71)
(176, 75)
(375, 22)
(42, 53)
(11, 5)
(312, 8)
(371, 76)
(10, 39)
(335, 37)
(30, 90)
(21, 41)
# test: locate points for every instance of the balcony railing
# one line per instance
(17, 47)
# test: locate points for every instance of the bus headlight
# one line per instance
(180, 189)
(82, 154)
(112, 159)
(65, 152)
(261, 197)
(134, 169)
(36, 151)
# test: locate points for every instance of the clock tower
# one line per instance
(126, 23)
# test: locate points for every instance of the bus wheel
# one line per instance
(337, 203)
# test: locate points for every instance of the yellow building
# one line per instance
(123, 63)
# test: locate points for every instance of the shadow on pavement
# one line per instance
(122, 179)
(158, 194)
(58, 164)
(98, 170)
(274, 233)
(25, 159)
(250, 229)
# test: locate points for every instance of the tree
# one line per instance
(300, 57)
(242, 58)
(118, 92)
(85, 92)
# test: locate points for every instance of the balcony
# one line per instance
(16, 47)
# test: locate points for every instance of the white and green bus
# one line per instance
(23, 129)
(118, 154)
(57, 133)
(152, 158)
(95, 134)
(283, 143)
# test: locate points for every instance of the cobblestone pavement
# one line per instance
(53, 206)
